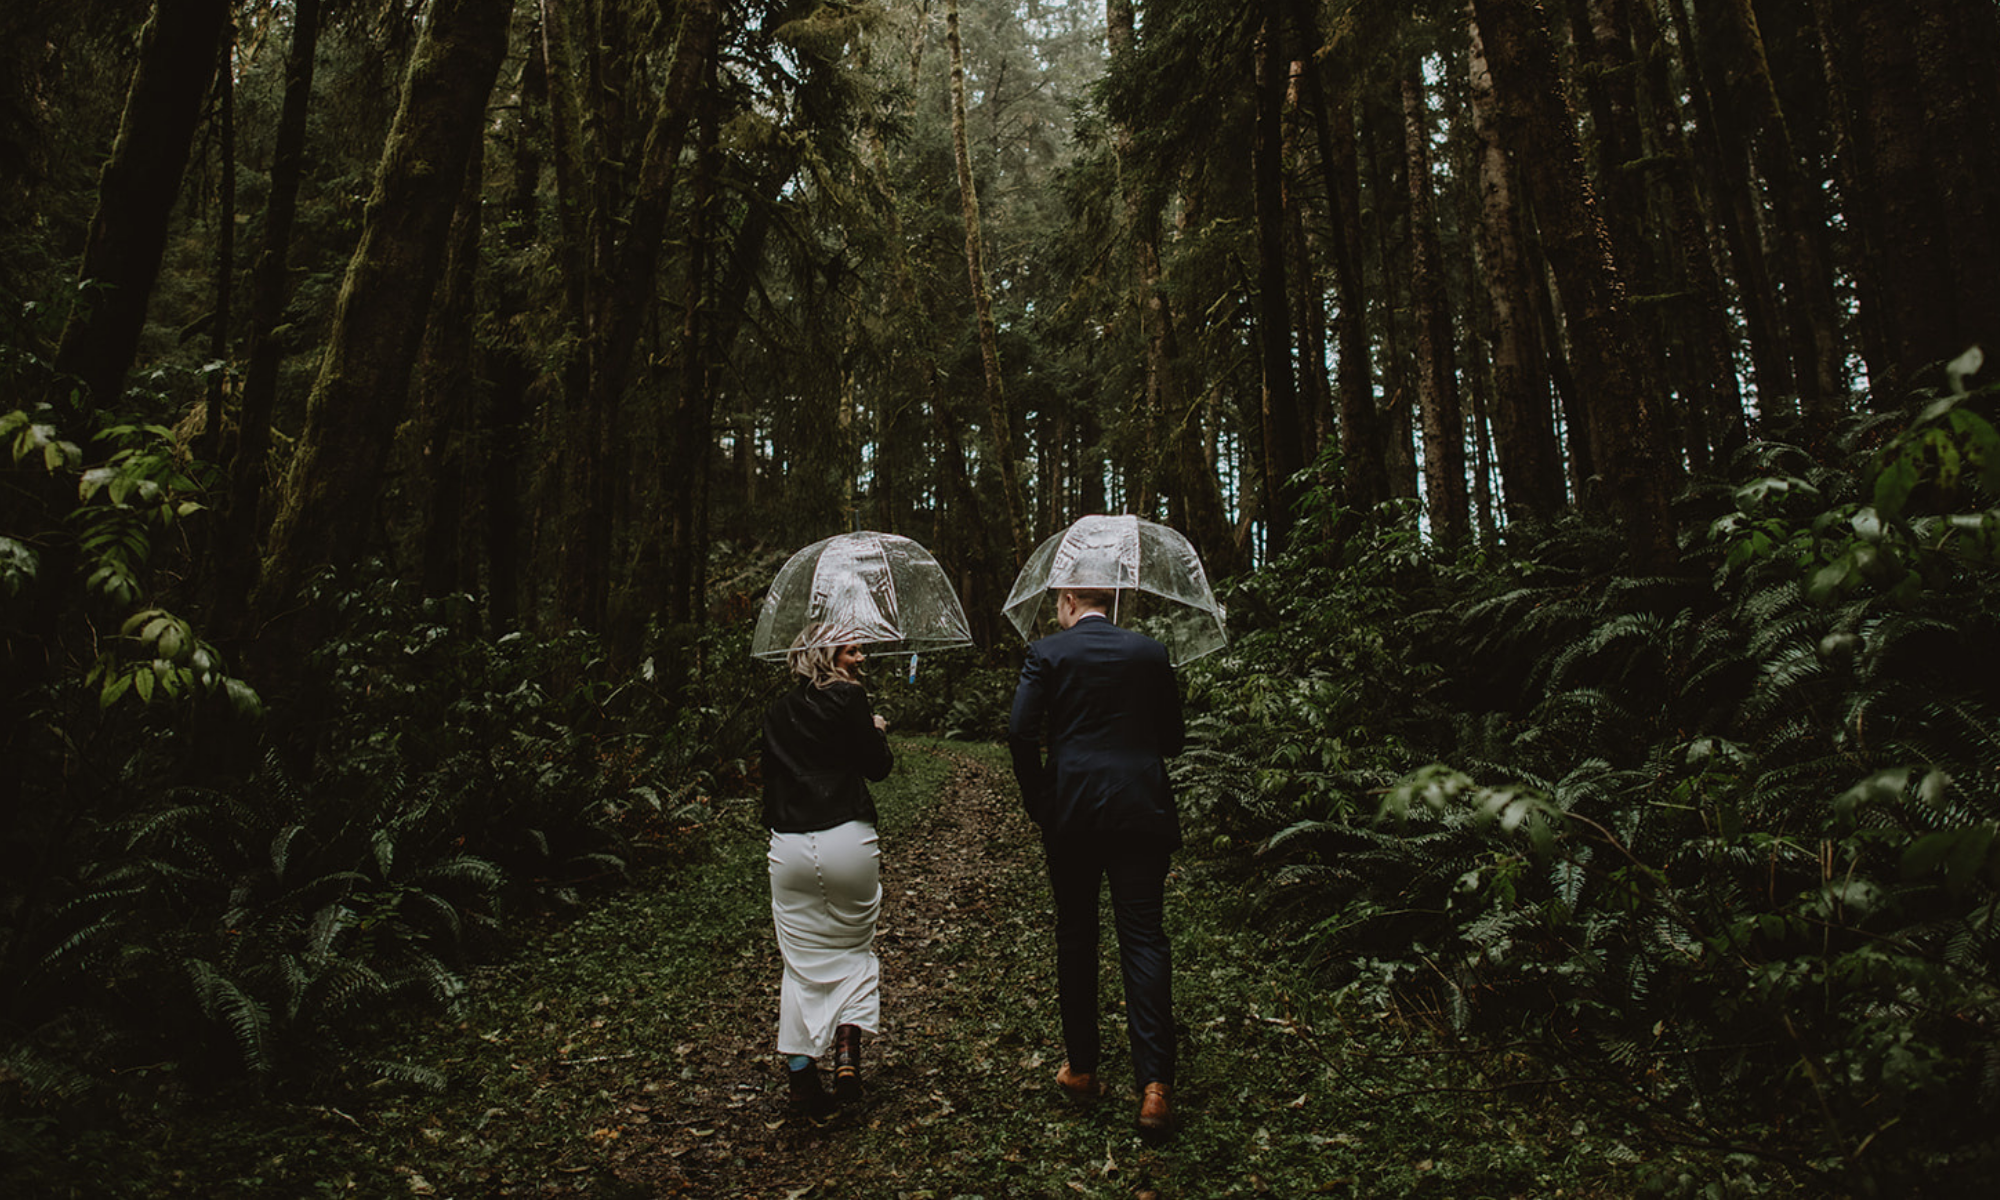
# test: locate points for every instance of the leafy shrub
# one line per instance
(1724, 845)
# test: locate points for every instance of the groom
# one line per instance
(1111, 709)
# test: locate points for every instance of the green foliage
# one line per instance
(1727, 846)
(139, 493)
(224, 901)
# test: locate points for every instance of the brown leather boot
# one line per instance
(847, 1063)
(1156, 1113)
(808, 1097)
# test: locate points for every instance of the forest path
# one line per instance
(961, 936)
(629, 1053)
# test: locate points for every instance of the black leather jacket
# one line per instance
(819, 745)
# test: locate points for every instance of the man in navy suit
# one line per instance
(1111, 709)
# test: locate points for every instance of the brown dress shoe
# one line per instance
(1156, 1115)
(1083, 1085)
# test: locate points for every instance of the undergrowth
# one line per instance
(1719, 844)
(627, 1052)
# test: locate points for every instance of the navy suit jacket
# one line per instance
(1111, 709)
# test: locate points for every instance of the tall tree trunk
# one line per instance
(1523, 423)
(1804, 280)
(270, 289)
(617, 295)
(364, 376)
(1958, 42)
(225, 247)
(1365, 482)
(1193, 493)
(1437, 372)
(1712, 420)
(1283, 456)
(565, 151)
(1382, 135)
(998, 421)
(1724, 163)
(135, 196)
(693, 408)
(1533, 116)
(1920, 319)
(444, 397)
(512, 373)
(1860, 205)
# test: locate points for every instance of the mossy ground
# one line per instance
(628, 1053)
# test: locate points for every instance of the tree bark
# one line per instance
(1524, 433)
(1958, 42)
(1365, 481)
(1437, 372)
(135, 197)
(1533, 116)
(1803, 278)
(225, 247)
(998, 421)
(378, 322)
(1861, 206)
(270, 289)
(1283, 455)
(1712, 418)
(1382, 137)
(1193, 495)
(1920, 318)
(1724, 163)
(445, 391)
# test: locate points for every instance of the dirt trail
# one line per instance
(961, 914)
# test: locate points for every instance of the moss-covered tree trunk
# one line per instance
(621, 270)
(326, 512)
(270, 288)
(1194, 498)
(1000, 426)
(135, 196)
(446, 395)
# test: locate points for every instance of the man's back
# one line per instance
(1111, 709)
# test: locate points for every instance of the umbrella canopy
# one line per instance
(1128, 554)
(872, 588)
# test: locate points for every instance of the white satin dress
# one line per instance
(826, 889)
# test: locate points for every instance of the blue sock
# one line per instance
(798, 1062)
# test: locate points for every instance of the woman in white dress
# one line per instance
(821, 743)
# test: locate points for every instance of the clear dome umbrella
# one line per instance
(876, 589)
(1162, 589)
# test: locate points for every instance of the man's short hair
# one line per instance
(1095, 598)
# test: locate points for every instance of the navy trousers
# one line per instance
(1136, 868)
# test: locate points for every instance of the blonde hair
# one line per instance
(815, 655)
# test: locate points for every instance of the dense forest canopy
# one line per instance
(707, 261)
(359, 349)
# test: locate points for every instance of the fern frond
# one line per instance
(222, 1000)
(401, 1071)
(42, 1076)
(340, 985)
